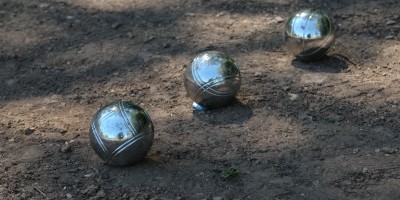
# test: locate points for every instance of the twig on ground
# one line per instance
(44, 195)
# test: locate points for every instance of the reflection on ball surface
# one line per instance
(212, 80)
(309, 34)
(121, 133)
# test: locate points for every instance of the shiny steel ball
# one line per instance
(309, 34)
(212, 80)
(121, 133)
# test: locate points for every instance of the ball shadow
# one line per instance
(234, 113)
(328, 64)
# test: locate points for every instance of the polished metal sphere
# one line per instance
(212, 80)
(121, 133)
(309, 34)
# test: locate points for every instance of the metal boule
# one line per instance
(121, 133)
(212, 80)
(309, 34)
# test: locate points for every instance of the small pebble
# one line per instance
(11, 82)
(44, 5)
(190, 14)
(69, 195)
(130, 35)
(389, 37)
(66, 148)
(292, 96)
(124, 48)
(390, 22)
(286, 88)
(149, 39)
(388, 150)
(116, 25)
(316, 183)
(101, 194)
(166, 45)
(220, 14)
(279, 19)
(23, 196)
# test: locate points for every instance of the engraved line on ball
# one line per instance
(106, 115)
(195, 62)
(196, 74)
(208, 87)
(125, 145)
(214, 93)
(212, 83)
(128, 123)
(98, 139)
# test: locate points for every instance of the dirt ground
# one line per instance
(320, 130)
